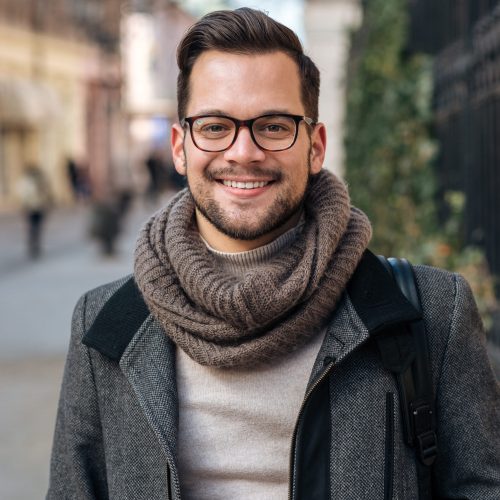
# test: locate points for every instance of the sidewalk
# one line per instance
(64, 230)
(29, 392)
(36, 303)
(37, 297)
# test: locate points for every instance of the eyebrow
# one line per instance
(218, 112)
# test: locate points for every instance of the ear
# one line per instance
(177, 145)
(318, 148)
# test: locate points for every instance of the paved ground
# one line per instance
(28, 395)
(36, 303)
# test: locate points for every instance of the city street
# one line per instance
(100, 99)
(36, 304)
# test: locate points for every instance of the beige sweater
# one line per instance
(236, 426)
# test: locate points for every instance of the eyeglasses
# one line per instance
(216, 133)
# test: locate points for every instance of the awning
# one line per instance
(27, 103)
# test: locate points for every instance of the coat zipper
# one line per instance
(169, 485)
(291, 474)
(177, 489)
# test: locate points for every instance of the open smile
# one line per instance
(245, 184)
(241, 188)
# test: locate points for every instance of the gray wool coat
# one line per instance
(115, 434)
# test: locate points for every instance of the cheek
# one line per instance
(298, 170)
(295, 182)
(196, 165)
(192, 162)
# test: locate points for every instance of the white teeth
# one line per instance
(244, 185)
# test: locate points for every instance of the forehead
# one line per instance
(244, 85)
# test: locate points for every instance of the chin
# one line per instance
(238, 228)
(241, 232)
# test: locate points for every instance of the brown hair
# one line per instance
(244, 31)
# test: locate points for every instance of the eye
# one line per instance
(212, 127)
(274, 127)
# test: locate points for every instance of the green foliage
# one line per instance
(390, 151)
(445, 249)
(388, 145)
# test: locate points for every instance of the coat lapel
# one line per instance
(344, 334)
(371, 304)
(149, 365)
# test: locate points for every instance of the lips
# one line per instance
(245, 185)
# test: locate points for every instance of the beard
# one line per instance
(245, 224)
(243, 227)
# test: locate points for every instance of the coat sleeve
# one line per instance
(77, 469)
(468, 409)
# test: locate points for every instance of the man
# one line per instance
(251, 374)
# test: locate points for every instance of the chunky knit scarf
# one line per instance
(221, 320)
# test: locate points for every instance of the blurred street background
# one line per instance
(37, 299)
(409, 97)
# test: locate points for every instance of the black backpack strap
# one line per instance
(415, 386)
(117, 321)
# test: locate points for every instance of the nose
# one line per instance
(244, 150)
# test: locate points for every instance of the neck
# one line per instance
(224, 243)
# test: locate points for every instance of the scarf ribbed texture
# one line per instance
(221, 320)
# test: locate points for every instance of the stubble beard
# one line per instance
(242, 226)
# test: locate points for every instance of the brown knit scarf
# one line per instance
(221, 320)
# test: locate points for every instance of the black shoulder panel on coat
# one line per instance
(376, 296)
(118, 321)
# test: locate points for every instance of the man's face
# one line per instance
(244, 87)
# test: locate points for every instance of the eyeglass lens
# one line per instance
(216, 133)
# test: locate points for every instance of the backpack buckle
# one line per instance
(425, 438)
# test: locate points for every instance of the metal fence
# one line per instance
(464, 37)
(435, 24)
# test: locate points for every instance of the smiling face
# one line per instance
(245, 196)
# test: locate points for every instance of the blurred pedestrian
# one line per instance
(154, 167)
(106, 220)
(78, 179)
(35, 196)
(105, 225)
(73, 176)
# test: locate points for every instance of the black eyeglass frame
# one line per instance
(249, 124)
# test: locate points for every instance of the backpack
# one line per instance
(405, 352)
(403, 347)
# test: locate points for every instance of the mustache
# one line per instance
(215, 173)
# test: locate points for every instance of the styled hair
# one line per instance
(244, 31)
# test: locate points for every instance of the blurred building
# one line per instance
(151, 32)
(328, 25)
(464, 37)
(59, 90)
